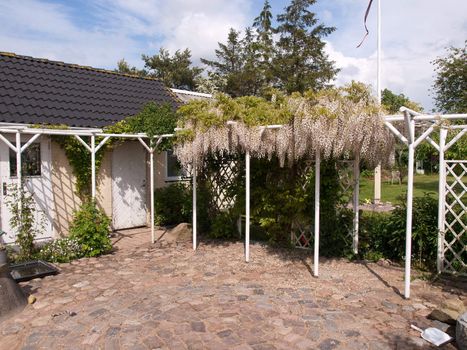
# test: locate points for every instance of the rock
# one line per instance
(384, 262)
(415, 342)
(454, 304)
(31, 299)
(329, 344)
(81, 284)
(180, 233)
(197, 326)
(387, 304)
(461, 331)
(12, 329)
(419, 306)
(444, 315)
(441, 325)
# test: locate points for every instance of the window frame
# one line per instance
(182, 177)
(23, 155)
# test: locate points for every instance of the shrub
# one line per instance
(223, 226)
(424, 231)
(61, 250)
(173, 204)
(373, 243)
(23, 220)
(383, 235)
(90, 228)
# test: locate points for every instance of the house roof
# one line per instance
(40, 91)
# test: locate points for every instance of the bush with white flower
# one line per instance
(61, 250)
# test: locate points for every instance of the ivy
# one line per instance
(153, 119)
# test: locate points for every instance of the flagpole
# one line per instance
(378, 63)
(377, 177)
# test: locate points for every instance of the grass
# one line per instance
(390, 193)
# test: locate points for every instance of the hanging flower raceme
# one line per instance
(338, 122)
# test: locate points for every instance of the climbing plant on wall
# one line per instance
(153, 119)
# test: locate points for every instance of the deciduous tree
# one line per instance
(450, 86)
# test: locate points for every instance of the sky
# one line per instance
(98, 33)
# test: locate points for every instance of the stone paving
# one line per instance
(169, 297)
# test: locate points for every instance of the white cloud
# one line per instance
(196, 24)
(414, 33)
(100, 32)
(116, 29)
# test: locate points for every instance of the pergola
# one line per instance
(408, 116)
(93, 148)
(411, 118)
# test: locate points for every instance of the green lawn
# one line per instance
(390, 193)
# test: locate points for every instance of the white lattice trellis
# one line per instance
(221, 181)
(454, 235)
(302, 237)
(346, 181)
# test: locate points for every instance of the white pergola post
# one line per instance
(194, 229)
(317, 188)
(410, 173)
(151, 175)
(247, 206)
(356, 200)
(151, 148)
(18, 159)
(377, 173)
(441, 197)
(93, 167)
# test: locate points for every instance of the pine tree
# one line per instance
(176, 71)
(228, 65)
(124, 67)
(300, 62)
(251, 74)
(264, 32)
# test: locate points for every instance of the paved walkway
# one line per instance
(150, 297)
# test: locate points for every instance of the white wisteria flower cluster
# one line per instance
(339, 122)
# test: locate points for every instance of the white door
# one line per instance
(128, 186)
(37, 161)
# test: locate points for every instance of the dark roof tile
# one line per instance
(39, 91)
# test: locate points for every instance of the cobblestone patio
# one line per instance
(167, 296)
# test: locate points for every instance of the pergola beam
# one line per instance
(426, 117)
(8, 143)
(455, 139)
(31, 140)
(78, 137)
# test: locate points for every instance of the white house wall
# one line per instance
(66, 201)
(40, 186)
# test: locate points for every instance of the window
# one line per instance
(173, 170)
(30, 161)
